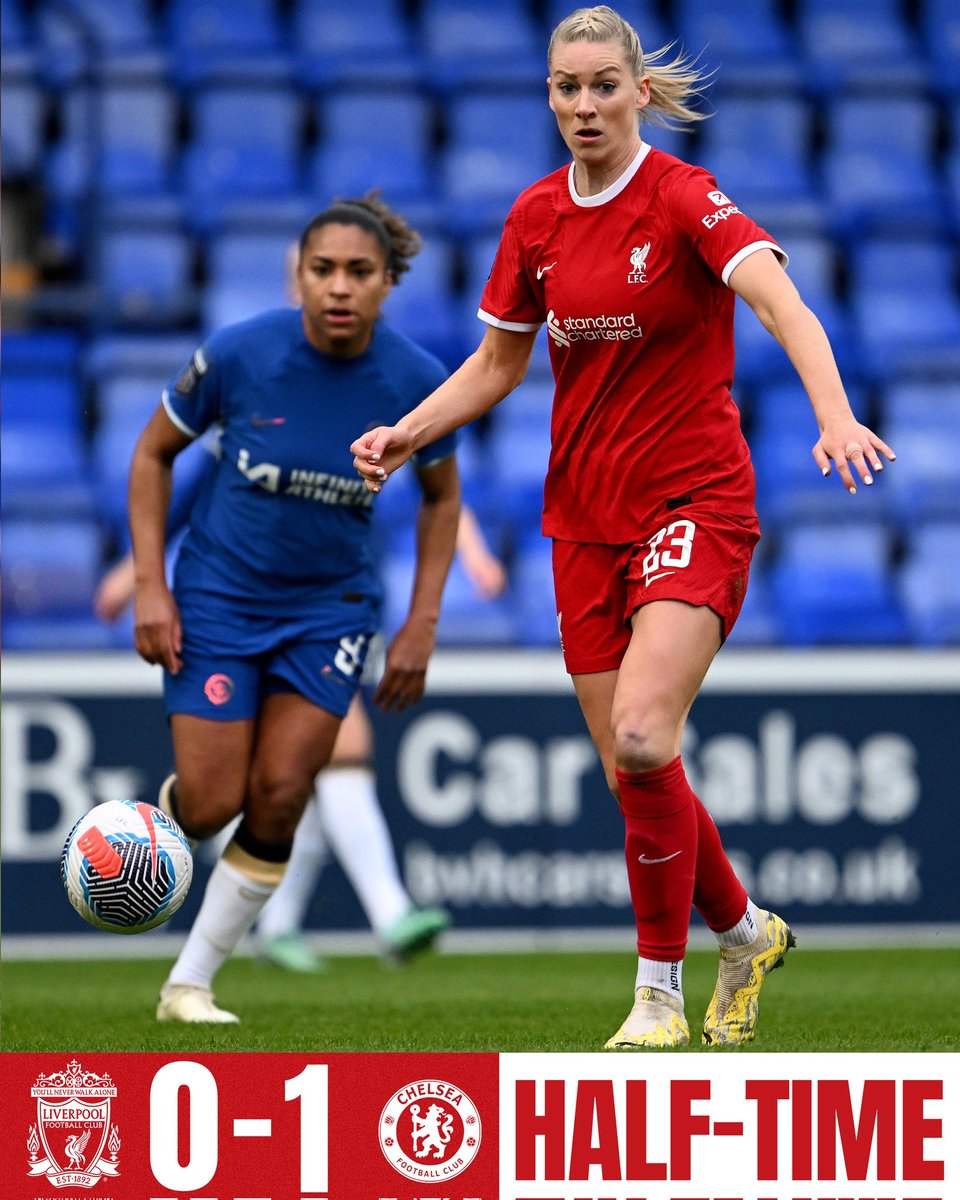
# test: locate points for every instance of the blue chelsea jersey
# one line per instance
(284, 517)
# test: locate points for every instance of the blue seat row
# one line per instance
(452, 42)
(825, 585)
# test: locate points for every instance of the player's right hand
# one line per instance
(157, 632)
(380, 452)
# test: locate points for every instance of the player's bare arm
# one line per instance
(406, 669)
(766, 287)
(495, 368)
(157, 632)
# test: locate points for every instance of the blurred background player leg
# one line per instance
(345, 812)
(279, 930)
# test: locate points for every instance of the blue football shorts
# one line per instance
(230, 664)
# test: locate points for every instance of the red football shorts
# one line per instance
(699, 556)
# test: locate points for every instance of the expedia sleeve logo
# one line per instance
(725, 209)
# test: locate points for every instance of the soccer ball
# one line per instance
(126, 866)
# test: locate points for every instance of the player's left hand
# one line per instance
(380, 452)
(850, 444)
(405, 676)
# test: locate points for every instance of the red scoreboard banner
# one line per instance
(480, 1127)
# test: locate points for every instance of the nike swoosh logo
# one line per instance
(649, 862)
(256, 419)
(661, 575)
(541, 271)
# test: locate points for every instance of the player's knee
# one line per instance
(275, 803)
(201, 811)
(640, 745)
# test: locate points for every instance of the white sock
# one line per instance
(665, 976)
(358, 833)
(231, 904)
(286, 909)
(745, 931)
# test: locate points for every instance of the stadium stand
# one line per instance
(174, 149)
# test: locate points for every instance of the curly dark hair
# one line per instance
(400, 242)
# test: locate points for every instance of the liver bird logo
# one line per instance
(638, 258)
(74, 1148)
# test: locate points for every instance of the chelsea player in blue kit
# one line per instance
(275, 594)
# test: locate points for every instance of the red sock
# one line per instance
(661, 852)
(720, 897)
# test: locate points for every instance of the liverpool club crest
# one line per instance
(74, 1143)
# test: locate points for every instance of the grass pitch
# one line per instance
(822, 1000)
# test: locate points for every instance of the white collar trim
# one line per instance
(615, 188)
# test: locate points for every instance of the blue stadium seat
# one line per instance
(224, 40)
(789, 484)
(128, 355)
(13, 25)
(466, 618)
(50, 570)
(359, 150)
(137, 137)
(247, 273)
(929, 584)
(924, 483)
(113, 27)
(531, 587)
(334, 47)
(940, 23)
(859, 42)
(519, 450)
(246, 144)
(466, 44)
(834, 585)
(759, 622)
(422, 304)
(905, 305)
(879, 166)
(22, 115)
(775, 186)
(921, 403)
(128, 401)
(748, 44)
(65, 52)
(52, 351)
(126, 404)
(144, 277)
(45, 472)
(68, 168)
(791, 488)
(497, 146)
(678, 141)
(41, 398)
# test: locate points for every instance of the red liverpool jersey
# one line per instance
(632, 285)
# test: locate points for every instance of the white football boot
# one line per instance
(191, 1005)
(656, 1020)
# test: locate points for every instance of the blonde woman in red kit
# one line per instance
(633, 259)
